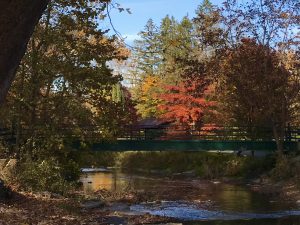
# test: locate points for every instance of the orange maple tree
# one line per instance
(186, 103)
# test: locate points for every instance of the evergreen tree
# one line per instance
(157, 54)
(147, 51)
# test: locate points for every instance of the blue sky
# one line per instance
(129, 25)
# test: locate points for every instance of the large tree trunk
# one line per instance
(17, 21)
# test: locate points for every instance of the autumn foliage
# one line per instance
(148, 95)
(186, 104)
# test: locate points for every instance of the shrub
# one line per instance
(90, 158)
(286, 167)
(206, 165)
(47, 175)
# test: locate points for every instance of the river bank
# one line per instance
(42, 208)
(286, 190)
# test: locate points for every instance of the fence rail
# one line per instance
(209, 133)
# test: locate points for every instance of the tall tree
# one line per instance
(208, 31)
(64, 79)
(255, 96)
(147, 51)
(177, 39)
(273, 23)
(17, 22)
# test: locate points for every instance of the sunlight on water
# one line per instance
(180, 199)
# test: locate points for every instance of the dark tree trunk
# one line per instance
(17, 21)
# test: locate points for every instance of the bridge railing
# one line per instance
(206, 133)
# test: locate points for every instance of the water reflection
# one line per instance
(180, 198)
(242, 199)
(102, 180)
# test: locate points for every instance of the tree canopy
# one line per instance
(245, 54)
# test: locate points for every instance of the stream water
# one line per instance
(198, 202)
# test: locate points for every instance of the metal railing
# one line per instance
(207, 133)
(168, 132)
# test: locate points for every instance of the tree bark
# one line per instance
(17, 21)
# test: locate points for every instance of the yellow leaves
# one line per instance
(93, 41)
(149, 88)
(104, 41)
(147, 96)
(80, 34)
(123, 52)
(92, 108)
(51, 50)
(149, 83)
(77, 33)
(289, 60)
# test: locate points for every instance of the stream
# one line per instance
(195, 201)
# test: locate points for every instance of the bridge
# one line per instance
(176, 138)
(168, 138)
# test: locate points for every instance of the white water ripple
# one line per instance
(188, 211)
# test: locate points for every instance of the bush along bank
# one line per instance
(205, 165)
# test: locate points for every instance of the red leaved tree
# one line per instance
(187, 105)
